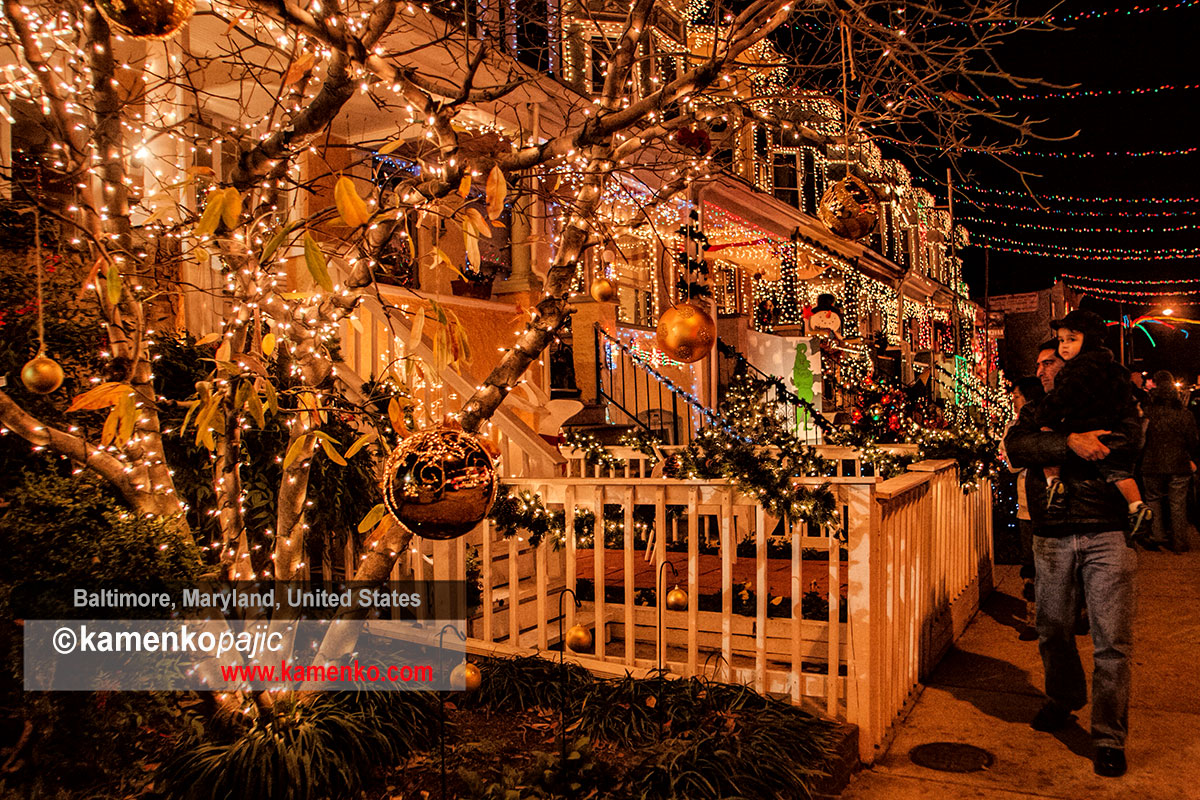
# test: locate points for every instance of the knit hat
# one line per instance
(1086, 322)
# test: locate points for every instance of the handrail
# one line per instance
(789, 399)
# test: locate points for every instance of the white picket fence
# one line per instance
(917, 555)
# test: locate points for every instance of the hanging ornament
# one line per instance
(42, 375)
(147, 19)
(849, 208)
(439, 483)
(468, 675)
(603, 290)
(677, 599)
(579, 639)
(686, 333)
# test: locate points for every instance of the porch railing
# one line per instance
(801, 417)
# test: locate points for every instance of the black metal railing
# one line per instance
(646, 398)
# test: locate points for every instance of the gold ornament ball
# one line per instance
(849, 208)
(677, 599)
(469, 674)
(686, 333)
(42, 375)
(603, 290)
(147, 19)
(439, 483)
(579, 639)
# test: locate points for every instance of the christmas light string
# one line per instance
(1071, 212)
(1067, 276)
(1132, 252)
(1067, 198)
(1137, 295)
(1076, 229)
(1182, 151)
(1093, 254)
(1081, 94)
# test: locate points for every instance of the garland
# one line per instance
(594, 453)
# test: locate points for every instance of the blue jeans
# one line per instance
(1097, 568)
(1168, 493)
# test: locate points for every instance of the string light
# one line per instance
(1182, 151)
(1078, 94)
(1070, 212)
(1032, 226)
(1087, 253)
(1065, 198)
(1129, 281)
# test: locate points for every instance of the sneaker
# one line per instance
(1139, 521)
(1109, 762)
(1056, 497)
(1052, 717)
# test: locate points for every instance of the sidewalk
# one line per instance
(988, 688)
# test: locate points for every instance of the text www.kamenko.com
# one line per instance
(329, 673)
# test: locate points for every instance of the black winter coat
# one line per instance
(1171, 441)
(1092, 504)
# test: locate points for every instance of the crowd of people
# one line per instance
(1106, 462)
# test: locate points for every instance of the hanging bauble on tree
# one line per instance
(603, 290)
(686, 333)
(42, 375)
(849, 208)
(147, 19)
(439, 483)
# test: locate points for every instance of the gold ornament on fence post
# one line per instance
(677, 599)
(579, 639)
(849, 208)
(439, 483)
(147, 19)
(686, 333)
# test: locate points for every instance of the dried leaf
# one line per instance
(372, 518)
(224, 351)
(112, 284)
(212, 213)
(351, 208)
(275, 241)
(126, 411)
(298, 68)
(440, 257)
(464, 186)
(314, 259)
(256, 409)
(293, 451)
(231, 207)
(360, 443)
(109, 432)
(207, 338)
(497, 189)
(396, 417)
(102, 396)
(333, 454)
(268, 345)
(471, 246)
(418, 328)
(272, 397)
(390, 146)
(477, 221)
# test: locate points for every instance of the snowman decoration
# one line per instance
(824, 319)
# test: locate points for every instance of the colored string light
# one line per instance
(1075, 229)
(1067, 198)
(1083, 94)
(1144, 255)
(1116, 294)
(1128, 252)
(1070, 212)
(1182, 151)
(1067, 276)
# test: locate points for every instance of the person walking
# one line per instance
(1172, 450)
(1082, 553)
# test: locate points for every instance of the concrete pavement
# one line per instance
(988, 688)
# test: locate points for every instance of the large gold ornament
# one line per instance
(686, 333)
(603, 290)
(677, 599)
(469, 674)
(42, 375)
(439, 483)
(849, 208)
(147, 19)
(579, 639)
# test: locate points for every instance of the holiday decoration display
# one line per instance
(824, 318)
(439, 483)
(603, 290)
(42, 375)
(147, 19)
(849, 208)
(686, 333)
(677, 599)
(468, 674)
(579, 639)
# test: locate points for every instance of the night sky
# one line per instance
(1118, 52)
